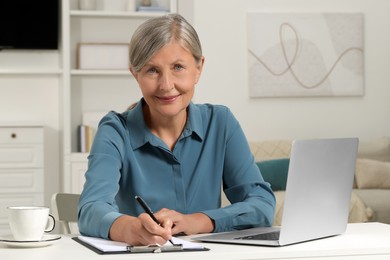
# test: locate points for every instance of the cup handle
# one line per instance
(52, 225)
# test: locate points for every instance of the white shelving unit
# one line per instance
(93, 90)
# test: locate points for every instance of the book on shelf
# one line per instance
(86, 136)
(87, 129)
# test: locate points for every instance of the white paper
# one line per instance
(186, 244)
(114, 246)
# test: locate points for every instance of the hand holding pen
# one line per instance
(147, 210)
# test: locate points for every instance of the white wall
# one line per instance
(221, 25)
(34, 98)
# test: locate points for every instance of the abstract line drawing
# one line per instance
(293, 54)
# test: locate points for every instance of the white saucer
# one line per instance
(46, 240)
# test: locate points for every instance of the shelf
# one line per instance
(100, 73)
(30, 71)
(77, 13)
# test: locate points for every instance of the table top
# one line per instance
(360, 241)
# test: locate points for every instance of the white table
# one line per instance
(360, 241)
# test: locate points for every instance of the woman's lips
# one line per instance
(168, 98)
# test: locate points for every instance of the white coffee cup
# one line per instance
(28, 223)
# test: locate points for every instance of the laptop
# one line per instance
(317, 198)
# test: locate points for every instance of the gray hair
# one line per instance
(155, 33)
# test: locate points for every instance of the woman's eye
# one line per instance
(178, 67)
(152, 70)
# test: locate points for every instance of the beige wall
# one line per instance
(223, 35)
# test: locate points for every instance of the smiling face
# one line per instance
(167, 81)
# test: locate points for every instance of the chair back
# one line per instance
(64, 210)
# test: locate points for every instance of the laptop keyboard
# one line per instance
(263, 236)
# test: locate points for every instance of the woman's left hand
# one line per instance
(188, 224)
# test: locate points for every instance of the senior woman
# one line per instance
(173, 153)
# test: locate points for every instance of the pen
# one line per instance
(148, 211)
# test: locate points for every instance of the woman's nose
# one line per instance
(165, 82)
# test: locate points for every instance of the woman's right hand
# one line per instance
(141, 230)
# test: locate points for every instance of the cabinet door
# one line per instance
(21, 155)
(77, 171)
(21, 180)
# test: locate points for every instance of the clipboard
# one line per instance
(104, 246)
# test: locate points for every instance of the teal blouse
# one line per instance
(126, 160)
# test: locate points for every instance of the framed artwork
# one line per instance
(305, 54)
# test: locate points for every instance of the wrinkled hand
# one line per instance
(141, 231)
(188, 224)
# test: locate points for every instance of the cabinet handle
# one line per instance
(13, 136)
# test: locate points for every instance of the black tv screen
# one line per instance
(29, 24)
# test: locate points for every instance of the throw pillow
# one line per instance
(275, 172)
(378, 149)
(372, 174)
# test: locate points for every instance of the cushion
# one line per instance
(372, 174)
(358, 212)
(275, 172)
(378, 149)
(270, 149)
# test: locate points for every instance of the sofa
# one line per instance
(370, 199)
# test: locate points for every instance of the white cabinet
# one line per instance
(21, 169)
(99, 91)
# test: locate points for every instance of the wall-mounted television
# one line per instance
(29, 24)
